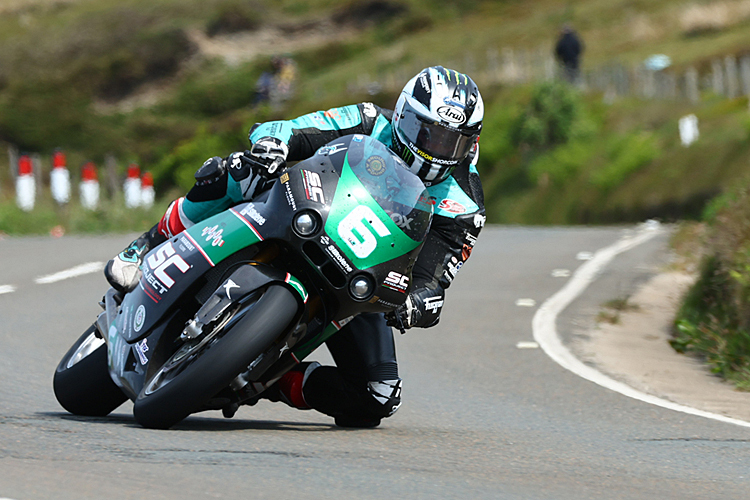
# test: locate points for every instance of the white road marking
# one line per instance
(526, 302)
(6, 289)
(545, 331)
(584, 256)
(88, 268)
(527, 345)
(560, 273)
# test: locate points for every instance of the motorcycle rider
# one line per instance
(435, 129)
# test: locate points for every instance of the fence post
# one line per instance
(717, 77)
(691, 85)
(13, 161)
(745, 75)
(730, 66)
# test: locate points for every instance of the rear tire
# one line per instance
(166, 399)
(82, 383)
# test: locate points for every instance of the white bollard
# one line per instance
(132, 187)
(147, 190)
(25, 185)
(60, 179)
(89, 188)
(688, 130)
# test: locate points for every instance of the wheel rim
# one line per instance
(185, 355)
(91, 344)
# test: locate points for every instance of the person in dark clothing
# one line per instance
(435, 129)
(568, 51)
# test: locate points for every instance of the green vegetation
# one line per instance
(143, 81)
(714, 321)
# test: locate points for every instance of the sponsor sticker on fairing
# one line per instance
(313, 186)
(332, 149)
(140, 318)
(290, 196)
(396, 281)
(141, 348)
(339, 259)
(375, 165)
(213, 234)
(159, 262)
(251, 212)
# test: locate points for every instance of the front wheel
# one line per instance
(201, 368)
(82, 383)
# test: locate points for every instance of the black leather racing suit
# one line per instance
(364, 385)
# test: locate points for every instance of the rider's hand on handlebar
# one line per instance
(404, 316)
(268, 154)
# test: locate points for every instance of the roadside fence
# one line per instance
(728, 76)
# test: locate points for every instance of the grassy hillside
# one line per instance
(166, 83)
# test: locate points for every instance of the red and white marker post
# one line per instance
(25, 184)
(132, 186)
(147, 190)
(59, 180)
(89, 188)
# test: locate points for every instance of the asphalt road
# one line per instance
(481, 417)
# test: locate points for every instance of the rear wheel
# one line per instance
(82, 383)
(202, 367)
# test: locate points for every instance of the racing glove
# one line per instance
(421, 309)
(271, 154)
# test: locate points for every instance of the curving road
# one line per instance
(486, 415)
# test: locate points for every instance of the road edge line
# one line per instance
(545, 329)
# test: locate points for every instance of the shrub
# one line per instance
(714, 320)
(549, 117)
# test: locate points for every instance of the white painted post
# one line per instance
(688, 130)
(25, 184)
(60, 179)
(89, 188)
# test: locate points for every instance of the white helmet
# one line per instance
(436, 122)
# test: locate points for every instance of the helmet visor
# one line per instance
(435, 139)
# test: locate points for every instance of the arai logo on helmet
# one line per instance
(451, 114)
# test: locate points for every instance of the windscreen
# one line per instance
(398, 191)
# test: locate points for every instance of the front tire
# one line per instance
(82, 383)
(190, 378)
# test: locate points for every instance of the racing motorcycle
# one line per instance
(225, 308)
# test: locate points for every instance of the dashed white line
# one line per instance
(584, 256)
(6, 289)
(545, 330)
(527, 345)
(526, 302)
(88, 268)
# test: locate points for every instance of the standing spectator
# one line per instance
(285, 75)
(568, 51)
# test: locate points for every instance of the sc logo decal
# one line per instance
(164, 257)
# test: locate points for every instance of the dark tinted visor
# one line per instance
(435, 139)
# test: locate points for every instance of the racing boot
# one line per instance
(124, 271)
(288, 389)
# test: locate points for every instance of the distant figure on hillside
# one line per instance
(568, 50)
(277, 85)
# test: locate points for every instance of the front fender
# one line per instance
(242, 283)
